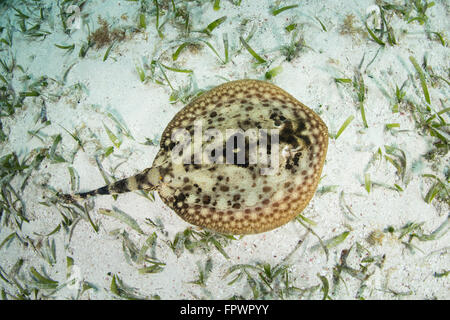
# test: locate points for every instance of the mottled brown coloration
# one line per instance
(237, 198)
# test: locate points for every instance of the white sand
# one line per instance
(114, 86)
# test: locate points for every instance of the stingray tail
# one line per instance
(145, 180)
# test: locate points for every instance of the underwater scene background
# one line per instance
(88, 86)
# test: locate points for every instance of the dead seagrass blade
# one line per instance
(244, 157)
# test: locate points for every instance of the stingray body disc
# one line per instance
(244, 157)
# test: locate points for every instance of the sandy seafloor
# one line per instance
(391, 266)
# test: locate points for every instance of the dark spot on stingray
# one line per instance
(103, 190)
(171, 146)
(297, 158)
(181, 197)
(301, 127)
(287, 135)
(163, 171)
(120, 186)
(141, 180)
(206, 199)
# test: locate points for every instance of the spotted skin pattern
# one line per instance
(237, 198)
